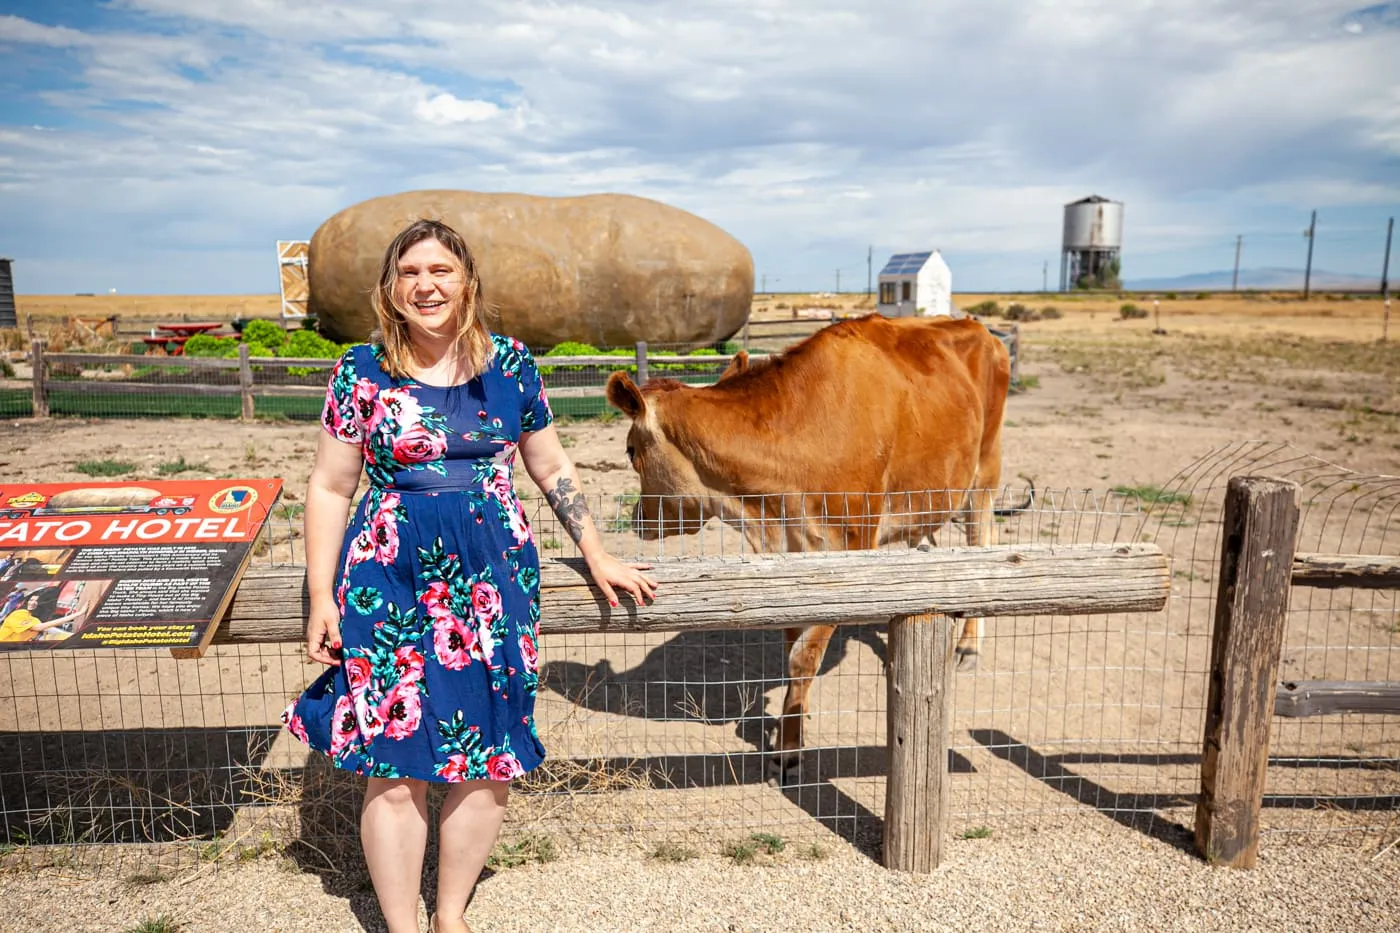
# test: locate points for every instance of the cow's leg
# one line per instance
(980, 523)
(805, 649)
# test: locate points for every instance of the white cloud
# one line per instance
(17, 30)
(445, 109)
(807, 128)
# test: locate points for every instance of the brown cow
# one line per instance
(872, 431)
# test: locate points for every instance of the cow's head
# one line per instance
(674, 499)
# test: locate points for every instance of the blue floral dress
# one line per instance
(439, 586)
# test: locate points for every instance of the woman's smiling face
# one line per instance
(428, 288)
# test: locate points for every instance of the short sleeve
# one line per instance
(340, 416)
(535, 414)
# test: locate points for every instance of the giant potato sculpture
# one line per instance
(604, 269)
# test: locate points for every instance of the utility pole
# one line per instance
(1235, 280)
(765, 283)
(1385, 266)
(869, 268)
(1307, 273)
(1045, 276)
(838, 281)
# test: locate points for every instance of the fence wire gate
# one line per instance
(130, 757)
(1326, 774)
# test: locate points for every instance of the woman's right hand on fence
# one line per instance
(323, 634)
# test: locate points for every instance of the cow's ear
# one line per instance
(740, 364)
(624, 395)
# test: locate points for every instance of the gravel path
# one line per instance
(1092, 875)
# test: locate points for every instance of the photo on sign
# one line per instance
(30, 563)
(48, 611)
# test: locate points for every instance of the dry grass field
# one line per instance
(147, 308)
(1108, 402)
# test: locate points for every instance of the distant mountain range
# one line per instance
(1266, 278)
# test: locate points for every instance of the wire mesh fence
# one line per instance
(133, 758)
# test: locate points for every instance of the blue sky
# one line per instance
(163, 146)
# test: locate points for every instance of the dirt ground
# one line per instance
(1107, 403)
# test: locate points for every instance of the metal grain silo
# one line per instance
(1092, 243)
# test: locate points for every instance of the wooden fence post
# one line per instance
(641, 361)
(1251, 608)
(1015, 354)
(41, 395)
(245, 382)
(746, 333)
(918, 686)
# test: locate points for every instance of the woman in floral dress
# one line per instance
(427, 607)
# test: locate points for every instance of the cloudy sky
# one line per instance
(163, 146)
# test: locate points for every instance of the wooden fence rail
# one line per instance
(782, 590)
(915, 592)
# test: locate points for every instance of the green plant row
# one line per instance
(265, 339)
(574, 348)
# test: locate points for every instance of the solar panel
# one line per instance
(906, 263)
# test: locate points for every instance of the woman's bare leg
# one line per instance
(471, 820)
(394, 833)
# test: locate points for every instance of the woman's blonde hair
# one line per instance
(473, 339)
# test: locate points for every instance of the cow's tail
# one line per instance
(1024, 506)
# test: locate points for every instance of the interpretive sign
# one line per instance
(124, 565)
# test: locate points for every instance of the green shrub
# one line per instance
(771, 843)
(1051, 313)
(673, 852)
(1019, 312)
(264, 332)
(307, 344)
(986, 308)
(1128, 311)
(621, 352)
(530, 847)
(684, 367)
(567, 348)
(161, 924)
(7, 369)
(741, 852)
(205, 345)
(104, 467)
(258, 351)
(1170, 296)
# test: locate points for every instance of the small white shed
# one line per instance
(916, 284)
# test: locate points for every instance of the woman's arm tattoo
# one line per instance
(571, 507)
